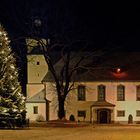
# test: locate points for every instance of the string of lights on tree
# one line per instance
(12, 101)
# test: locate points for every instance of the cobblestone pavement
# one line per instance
(78, 133)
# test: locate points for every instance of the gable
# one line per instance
(39, 97)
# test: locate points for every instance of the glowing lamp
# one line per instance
(118, 70)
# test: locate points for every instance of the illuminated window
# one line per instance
(138, 93)
(81, 93)
(81, 113)
(120, 93)
(138, 113)
(35, 109)
(120, 113)
(101, 93)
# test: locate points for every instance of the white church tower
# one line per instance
(37, 106)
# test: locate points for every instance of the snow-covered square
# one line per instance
(77, 133)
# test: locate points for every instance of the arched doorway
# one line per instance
(130, 119)
(104, 116)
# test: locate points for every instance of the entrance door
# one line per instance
(104, 116)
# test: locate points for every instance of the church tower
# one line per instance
(36, 104)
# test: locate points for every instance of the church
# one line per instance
(104, 95)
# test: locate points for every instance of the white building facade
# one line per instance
(97, 100)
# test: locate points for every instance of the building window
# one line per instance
(101, 93)
(138, 93)
(81, 93)
(38, 63)
(120, 113)
(138, 113)
(35, 109)
(120, 93)
(82, 113)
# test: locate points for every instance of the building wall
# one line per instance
(33, 89)
(36, 68)
(130, 105)
(41, 111)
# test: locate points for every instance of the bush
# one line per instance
(40, 118)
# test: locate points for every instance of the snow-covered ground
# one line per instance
(79, 133)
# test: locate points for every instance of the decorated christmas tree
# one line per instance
(12, 101)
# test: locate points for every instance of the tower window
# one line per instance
(38, 63)
(35, 109)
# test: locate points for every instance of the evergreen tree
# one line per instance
(12, 101)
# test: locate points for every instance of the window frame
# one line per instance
(101, 94)
(138, 93)
(35, 109)
(137, 113)
(121, 93)
(81, 93)
(81, 113)
(37, 63)
(121, 111)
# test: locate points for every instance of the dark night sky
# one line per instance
(111, 24)
(103, 23)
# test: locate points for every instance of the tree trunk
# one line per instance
(61, 111)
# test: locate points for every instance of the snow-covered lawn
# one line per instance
(79, 133)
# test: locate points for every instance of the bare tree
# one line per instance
(72, 57)
(71, 52)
